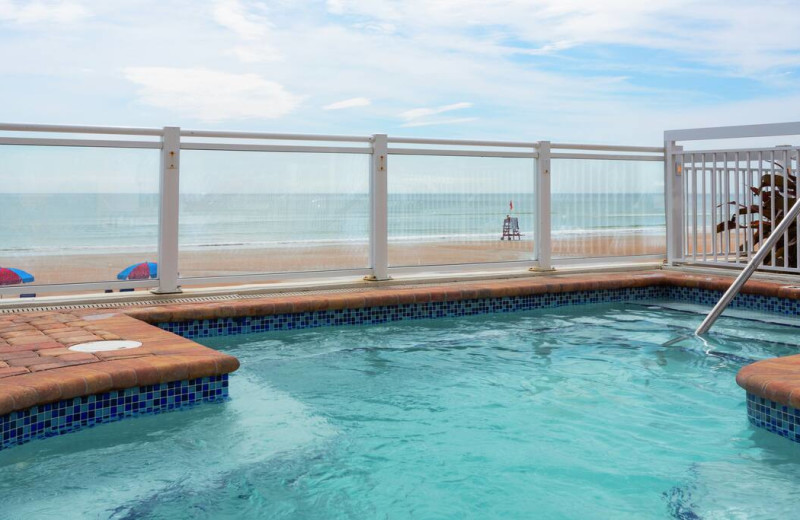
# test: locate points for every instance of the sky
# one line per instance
(612, 71)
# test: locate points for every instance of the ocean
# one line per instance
(55, 224)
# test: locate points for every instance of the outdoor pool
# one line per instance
(572, 412)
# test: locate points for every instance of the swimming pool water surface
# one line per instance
(575, 412)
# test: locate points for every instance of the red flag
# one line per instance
(511, 205)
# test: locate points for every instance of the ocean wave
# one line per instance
(150, 250)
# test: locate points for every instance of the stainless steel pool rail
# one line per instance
(762, 252)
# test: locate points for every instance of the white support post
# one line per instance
(673, 191)
(541, 233)
(379, 212)
(169, 205)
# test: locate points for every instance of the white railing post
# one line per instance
(673, 191)
(168, 210)
(379, 209)
(541, 234)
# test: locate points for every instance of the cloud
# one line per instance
(233, 15)
(211, 95)
(43, 11)
(534, 69)
(252, 28)
(443, 121)
(348, 103)
(747, 37)
(422, 116)
(550, 48)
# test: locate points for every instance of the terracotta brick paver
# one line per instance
(36, 366)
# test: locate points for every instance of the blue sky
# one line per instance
(568, 71)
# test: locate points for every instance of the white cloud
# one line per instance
(550, 48)
(443, 121)
(211, 95)
(255, 53)
(423, 116)
(42, 11)
(348, 103)
(748, 37)
(233, 15)
(633, 69)
(252, 28)
(378, 28)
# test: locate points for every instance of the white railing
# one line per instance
(373, 193)
(724, 202)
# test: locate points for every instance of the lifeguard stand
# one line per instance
(511, 228)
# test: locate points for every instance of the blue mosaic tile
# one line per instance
(411, 311)
(427, 310)
(774, 417)
(70, 415)
(754, 302)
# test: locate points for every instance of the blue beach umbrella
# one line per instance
(11, 276)
(140, 271)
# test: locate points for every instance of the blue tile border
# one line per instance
(71, 415)
(774, 417)
(385, 314)
(412, 311)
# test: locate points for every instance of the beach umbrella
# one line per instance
(140, 271)
(11, 276)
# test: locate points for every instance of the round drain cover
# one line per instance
(105, 346)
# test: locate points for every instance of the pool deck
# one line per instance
(37, 368)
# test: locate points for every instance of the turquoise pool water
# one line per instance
(564, 413)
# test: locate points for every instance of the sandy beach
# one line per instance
(76, 268)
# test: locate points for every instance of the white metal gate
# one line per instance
(722, 203)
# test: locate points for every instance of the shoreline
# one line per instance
(608, 233)
(231, 261)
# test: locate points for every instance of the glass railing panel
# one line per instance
(261, 212)
(453, 210)
(602, 208)
(72, 214)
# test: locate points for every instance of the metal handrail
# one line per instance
(76, 129)
(734, 289)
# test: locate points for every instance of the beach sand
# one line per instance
(236, 261)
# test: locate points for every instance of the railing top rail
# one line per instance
(607, 157)
(77, 129)
(607, 148)
(462, 142)
(740, 151)
(733, 132)
(275, 136)
(463, 153)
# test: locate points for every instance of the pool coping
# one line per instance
(37, 369)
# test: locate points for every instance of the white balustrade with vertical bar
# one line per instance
(725, 219)
(733, 197)
(177, 176)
